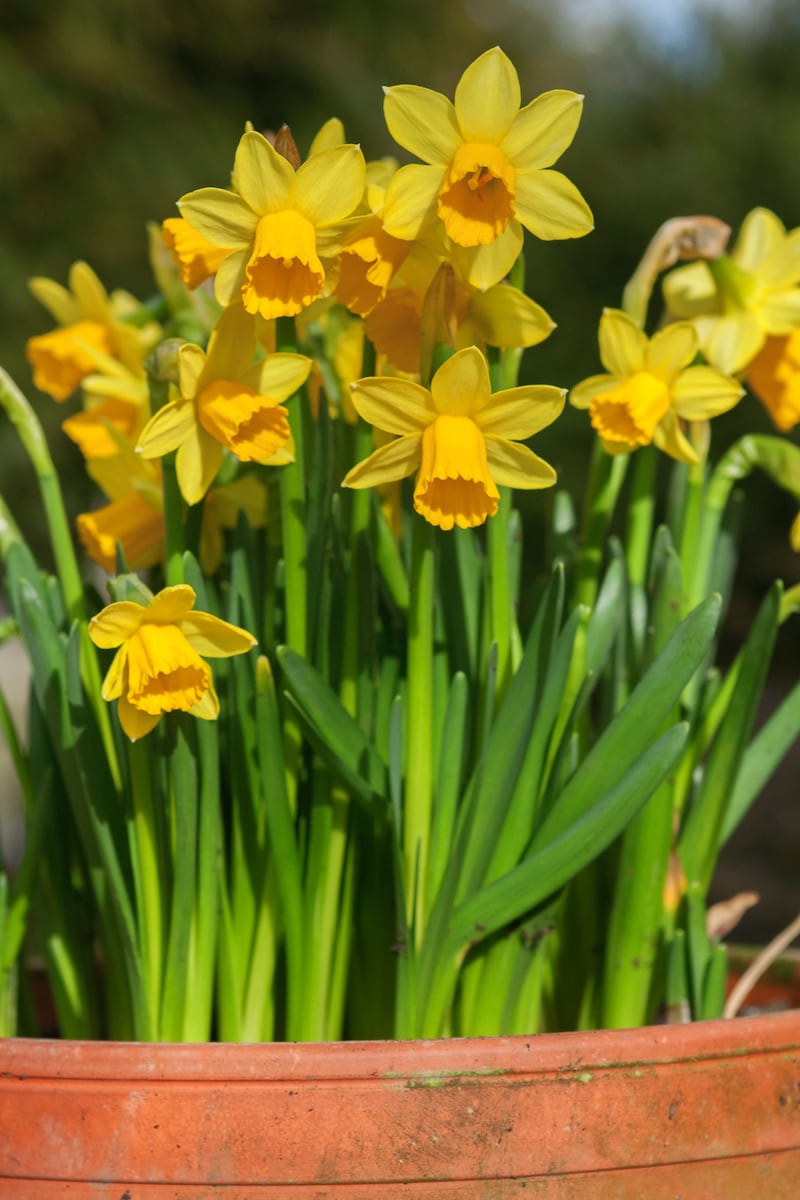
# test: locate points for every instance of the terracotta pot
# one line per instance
(703, 1111)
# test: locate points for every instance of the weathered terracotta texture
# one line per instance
(699, 1112)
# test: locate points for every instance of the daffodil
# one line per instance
(459, 436)
(276, 223)
(134, 514)
(159, 667)
(369, 256)
(92, 331)
(487, 161)
(737, 302)
(196, 258)
(774, 376)
(651, 388)
(226, 400)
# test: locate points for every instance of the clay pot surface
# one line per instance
(698, 1111)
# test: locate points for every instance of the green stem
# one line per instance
(183, 785)
(419, 742)
(606, 476)
(148, 875)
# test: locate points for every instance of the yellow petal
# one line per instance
(669, 438)
(671, 349)
(191, 364)
(487, 98)
(330, 185)
(328, 135)
(252, 426)
(207, 707)
(732, 341)
(279, 375)
(232, 345)
(781, 268)
(690, 290)
(59, 302)
(91, 430)
(114, 682)
(115, 623)
(774, 377)
(506, 317)
(543, 130)
(87, 289)
(780, 311)
(631, 411)
(522, 411)
(623, 345)
(222, 217)
(62, 358)
(388, 463)
(230, 277)
(394, 405)
(550, 206)
(700, 393)
(165, 431)
(284, 273)
(198, 459)
(584, 392)
(130, 520)
(135, 723)
(515, 465)
(423, 122)
(261, 176)
(165, 674)
(461, 386)
(484, 266)
(213, 637)
(761, 232)
(411, 199)
(171, 603)
(454, 485)
(195, 257)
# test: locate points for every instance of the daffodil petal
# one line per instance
(198, 459)
(690, 290)
(550, 206)
(487, 98)
(232, 345)
(87, 289)
(230, 277)
(166, 429)
(222, 217)
(514, 465)
(278, 376)
(410, 202)
(584, 392)
(543, 130)
(58, 301)
(394, 405)
(171, 604)
(114, 682)
(761, 232)
(461, 386)
(214, 638)
(207, 707)
(521, 411)
(484, 266)
(330, 134)
(780, 311)
(732, 341)
(329, 186)
(423, 122)
(669, 438)
(700, 393)
(623, 345)
(387, 464)
(191, 363)
(671, 349)
(261, 176)
(135, 723)
(506, 317)
(781, 268)
(115, 623)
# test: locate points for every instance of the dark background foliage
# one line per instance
(109, 112)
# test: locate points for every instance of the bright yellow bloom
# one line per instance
(129, 520)
(158, 666)
(91, 334)
(196, 258)
(459, 437)
(774, 376)
(226, 400)
(276, 223)
(651, 388)
(487, 159)
(736, 303)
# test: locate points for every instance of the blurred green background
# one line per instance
(109, 112)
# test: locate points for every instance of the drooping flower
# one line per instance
(226, 400)
(92, 330)
(737, 302)
(196, 258)
(774, 376)
(486, 160)
(651, 388)
(459, 437)
(159, 665)
(276, 223)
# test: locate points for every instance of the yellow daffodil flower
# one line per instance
(486, 159)
(91, 331)
(459, 437)
(196, 258)
(159, 667)
(226, 400)
(276, 223)
(133, 522)
(737, 302)
(774, 376)
(651, 388)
